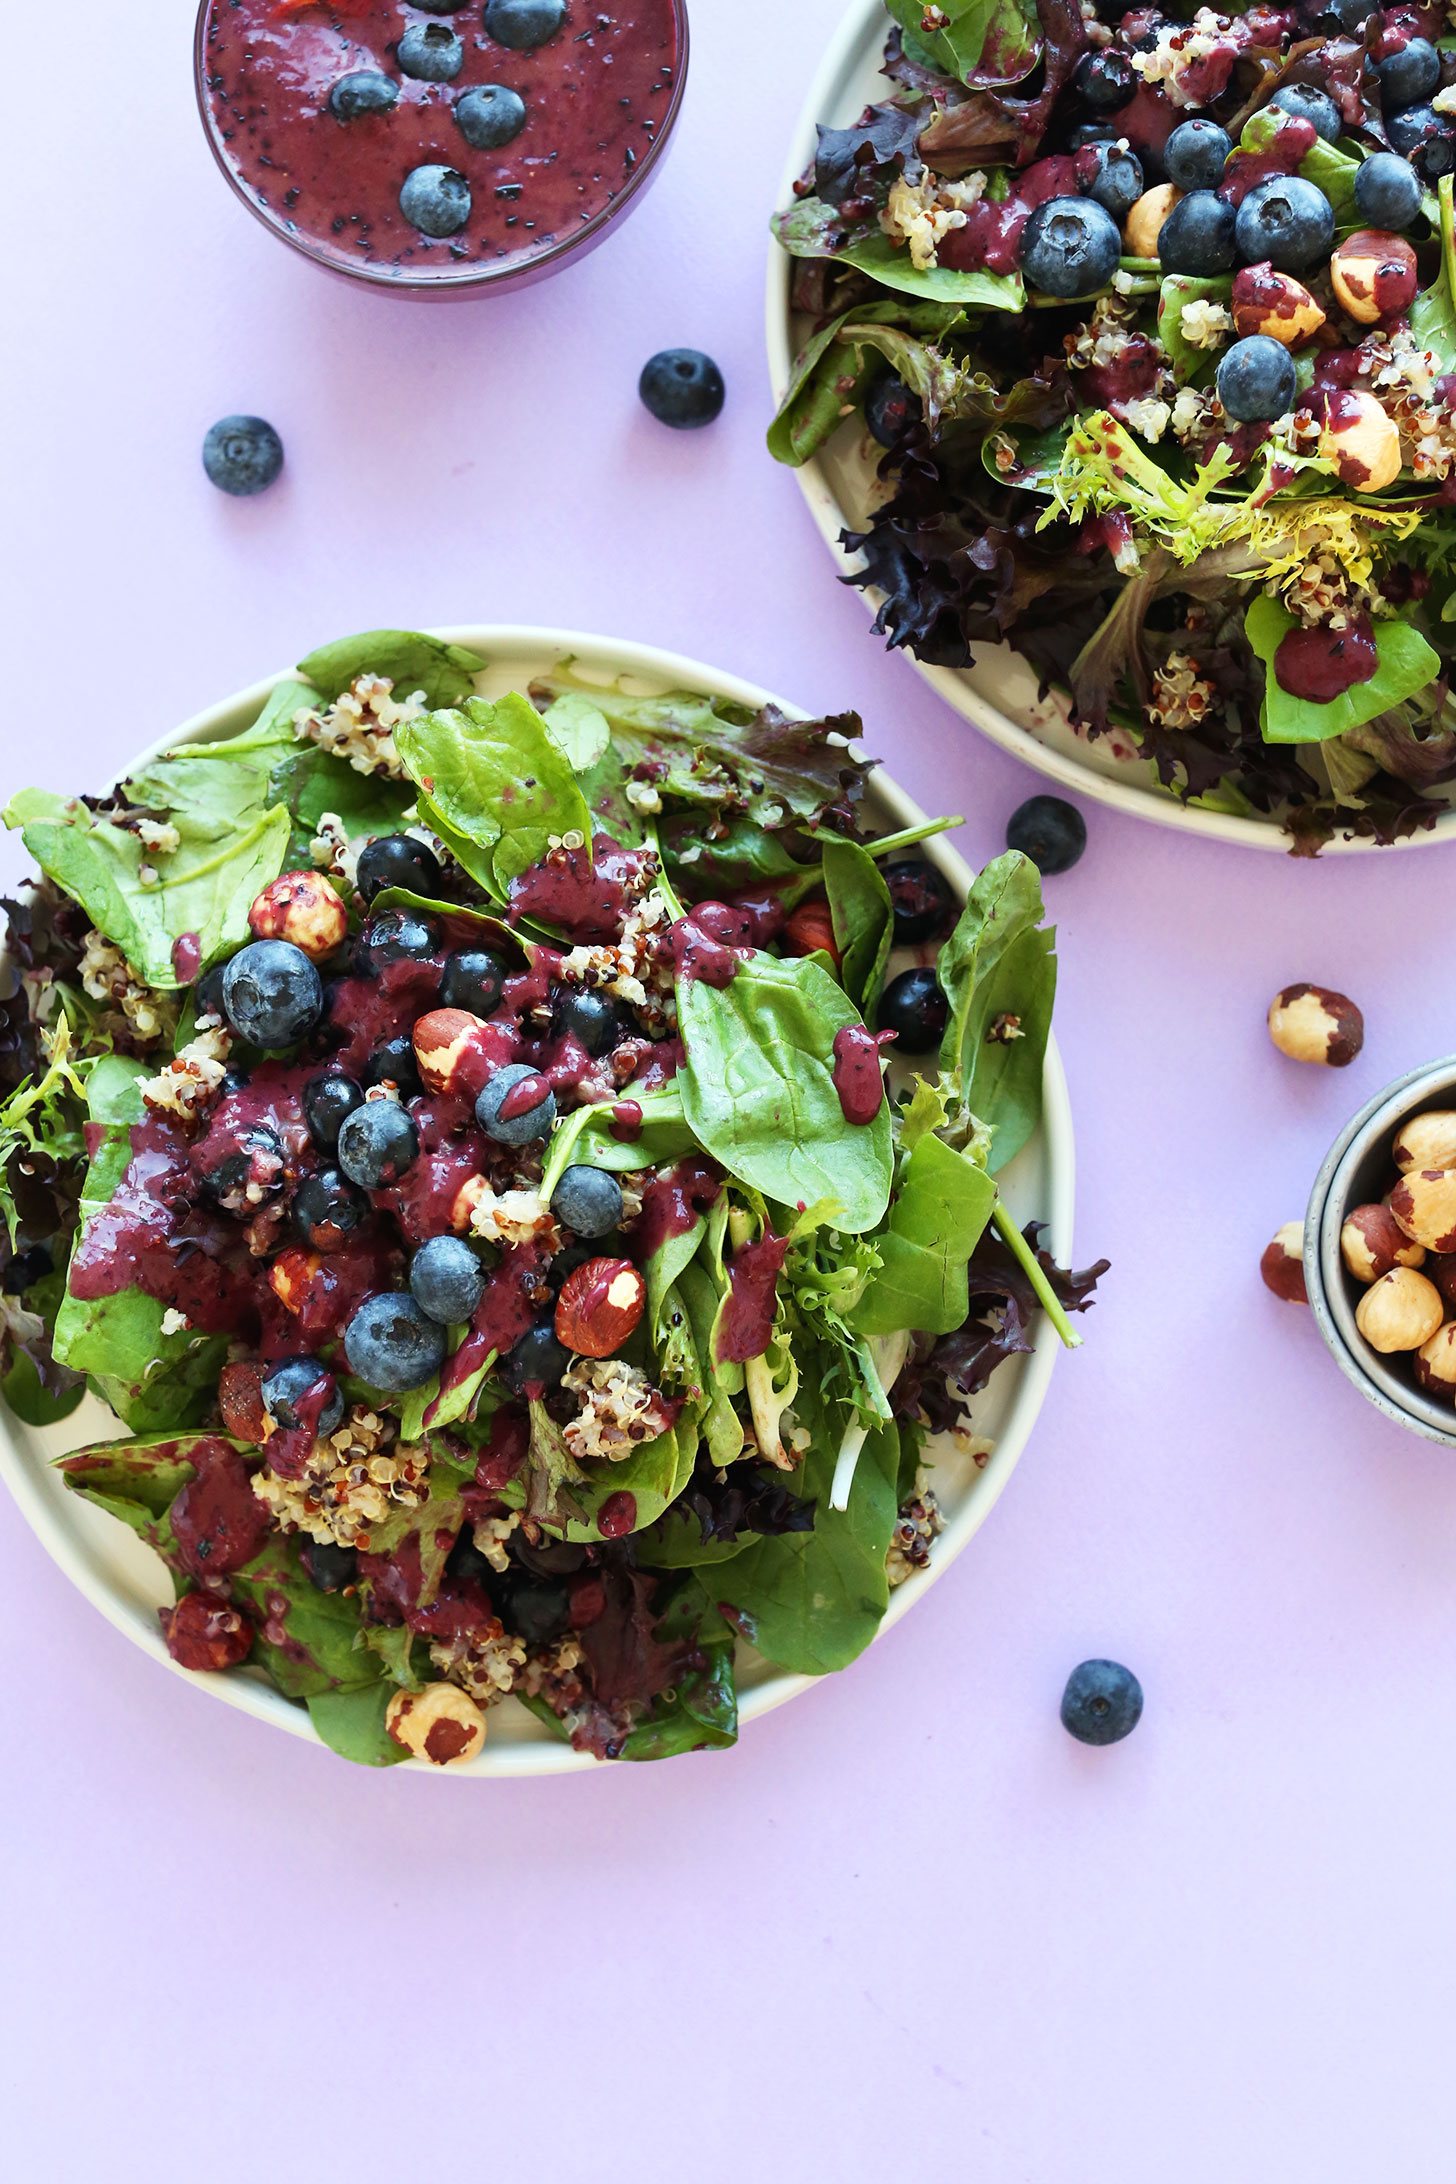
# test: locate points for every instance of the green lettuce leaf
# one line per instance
(942, 1203)
(1001, 34)
(1407, 666)
(494, 784)
(999, 963)
(444, 672)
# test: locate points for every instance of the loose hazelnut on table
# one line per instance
(1274, 304)
(301, 907)
(1374, 274)
(1435, 1362)
(1145, 221)
(1315, 1024)
(1282, 1265)
(1426, 1141)
(1424, 1205)
(599, 1306)
(1400, 1312)
(440, 1723)
(1372, 1242)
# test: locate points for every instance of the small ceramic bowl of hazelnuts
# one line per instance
(1379, 1250)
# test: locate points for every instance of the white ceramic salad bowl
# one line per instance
(120, 1576)
(999, 693)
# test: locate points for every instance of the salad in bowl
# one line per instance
(1138, 329)
(450, 1133)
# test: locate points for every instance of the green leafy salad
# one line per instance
(1146, 321)
(450, 1134)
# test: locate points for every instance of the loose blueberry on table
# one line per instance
(682, 388)
(1102, 1704)
(242, 456)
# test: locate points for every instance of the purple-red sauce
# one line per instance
(511, 1304)
(583, 894)
(218, 1522)
(1320, 664)
(626, 1124)
(617, 1515)
(746, 1327)
(151, 1237)
(672, 1203)
(595, 95)
(287, 1448)
(186, 957)
(858, 1076)
(1292, 143)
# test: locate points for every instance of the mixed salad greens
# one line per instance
(447, 1134)
(1149, 320)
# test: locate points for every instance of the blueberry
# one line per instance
(1198, 235)
(1106, 80)
(242, 455)
(249, 1171)
(1408, 76)
(377, 1144)
(490, 116)
(27, 1267)
(1103, 1702)
(588, 1201)
(207, 993)
(392, 1345)
(327, 1567)
(537, 1361)
(682, 388)
(328, 1101)
(914, 1008)
(446, 1279)
(473, 979)
(365, 91)
(431, 53)
(1256, 380)
(1117, 180)
(890, 408)
(395, 1063)
(523, 24)
(1090, 132)
(436, 200)
(1387, 191)
(1309, 104)
(287, 1385)
(466, 1565)
(920, 898)
(271, 993)
(590, 1018)
(1070, 247)
(327, 1209)
(396, 860)
(1287, 221)
(1048, 830)
(1353, 14)
(567, 1261)
(540, 1612)
(1425, 138)
(536, 1121)
(1195, 153)
(398, 936)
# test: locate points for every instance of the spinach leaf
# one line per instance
(351, 1723)
(650, 1475)
(999, 972)
(864, 919)
(1406, 666)
(875, 254)
(721, 1427)
(494, 785)
(1001, 34)
(324, 1647)
(853, 348)
(734, 856)
(445, 673)
(579, 730)
(1433, 314)
(1176, 290)
(137, 1481)
(758, 1088)
(942, 1204)
(812, 1601)
(275, 766)
(665, 1134)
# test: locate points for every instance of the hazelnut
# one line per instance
(1282, 1265)
(809, 927)
(1266, 302)
(1362, 442)
(467, 1198)
(303, 908)
(1312, 1024)
(1426, 1141)
(1374, 274)
(1372, 1242)
(1435, 1362)
(440, 1723)
(1424, 1204)
(205, 1633)
(1145, 221)
(1400, 1312)
(240, 1394)
(1442, 1271)
(599, 1306)
(456, 1052)
(291, 1276)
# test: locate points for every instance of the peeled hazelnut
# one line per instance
(1435, 1362)
(1266, 302)
(1282, 1265)
(809, 927)
(1372, 1242)
(1361, 441)
(599, 1306)
(292, 1275)
(440, 1723)
(1400, 1312)
(1312, 1024)
(303, 908)
(1426, 1141)
(240, 1394)
(1145, 221)
(456, 1052)
(1424, 1204)
(467, 1198)
(1374, 274)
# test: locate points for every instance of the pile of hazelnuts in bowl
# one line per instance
(1402, 1250)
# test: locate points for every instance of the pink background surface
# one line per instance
(907, 1927)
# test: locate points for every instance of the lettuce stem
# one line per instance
(1021, 1250)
